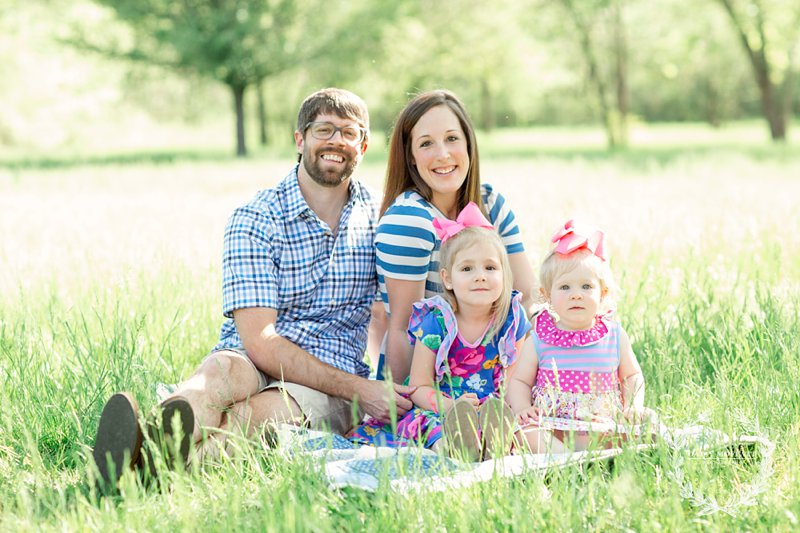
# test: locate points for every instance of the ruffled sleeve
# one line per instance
(516, 326)
(434, 324)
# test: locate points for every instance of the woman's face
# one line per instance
(439, 151)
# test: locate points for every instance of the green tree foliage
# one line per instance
(596, 31)
(686, 68)
(514, 63)
(769, 31)
(461, 45)
(236, 42)
(241, 43)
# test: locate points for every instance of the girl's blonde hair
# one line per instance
(463, 240)
(556, 264)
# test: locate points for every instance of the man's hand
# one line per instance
(383, 399)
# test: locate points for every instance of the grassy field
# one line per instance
(110, 280)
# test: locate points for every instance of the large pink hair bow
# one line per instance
(569, 239)
(469, 216)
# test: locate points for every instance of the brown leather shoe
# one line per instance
(176, 415)
(118, 441)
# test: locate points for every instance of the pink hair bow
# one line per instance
(569, 239)
(469, 216)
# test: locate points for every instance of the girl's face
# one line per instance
(439, 151)
(476, 276)
(576, 297)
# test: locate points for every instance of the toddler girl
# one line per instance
(463, 343)
(578, 363)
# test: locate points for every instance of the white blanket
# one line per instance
(402, 469)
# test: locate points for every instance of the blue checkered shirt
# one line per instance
(279, 254)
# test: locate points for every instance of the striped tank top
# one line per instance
(586, 368)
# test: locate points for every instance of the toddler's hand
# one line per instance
(529, 415)
(472, 398)
(640, 415)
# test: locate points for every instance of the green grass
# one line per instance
(110, 281)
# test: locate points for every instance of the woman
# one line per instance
(433, 171)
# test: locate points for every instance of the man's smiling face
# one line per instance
(330, 162)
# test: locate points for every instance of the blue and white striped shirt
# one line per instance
(408, 249)
(279, 254)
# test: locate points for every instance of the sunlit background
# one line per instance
(647, 118)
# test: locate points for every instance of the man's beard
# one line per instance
(328, 178)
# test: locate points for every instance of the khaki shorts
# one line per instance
(320, 410)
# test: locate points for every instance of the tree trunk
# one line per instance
(771, 103)
(238, 103)
(262, 113)
(594, 74)
(776, 116)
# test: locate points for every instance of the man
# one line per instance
(298, 285)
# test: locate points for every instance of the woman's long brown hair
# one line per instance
(402, 175)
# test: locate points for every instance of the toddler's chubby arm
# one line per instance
(632, 383)
(521, 377)
(422, 377)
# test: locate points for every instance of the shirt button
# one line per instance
(333, 302)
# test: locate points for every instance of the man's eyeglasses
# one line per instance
(323, 131)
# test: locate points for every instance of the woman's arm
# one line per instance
(506, 223)
(377, 330)
(524, 280)
(402, 295)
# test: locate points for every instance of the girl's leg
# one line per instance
(537, 440)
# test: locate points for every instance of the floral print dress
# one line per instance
(460, 368)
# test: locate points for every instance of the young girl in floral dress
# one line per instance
(463, 343)
(577, 364)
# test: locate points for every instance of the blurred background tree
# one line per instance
(769, 31)
(103, 75)
(598, 32)
(238, 42)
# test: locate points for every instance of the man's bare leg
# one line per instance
(249, 416)
(222, 380)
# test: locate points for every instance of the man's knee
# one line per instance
(228, 374)
(229, 367)
(217, 365)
